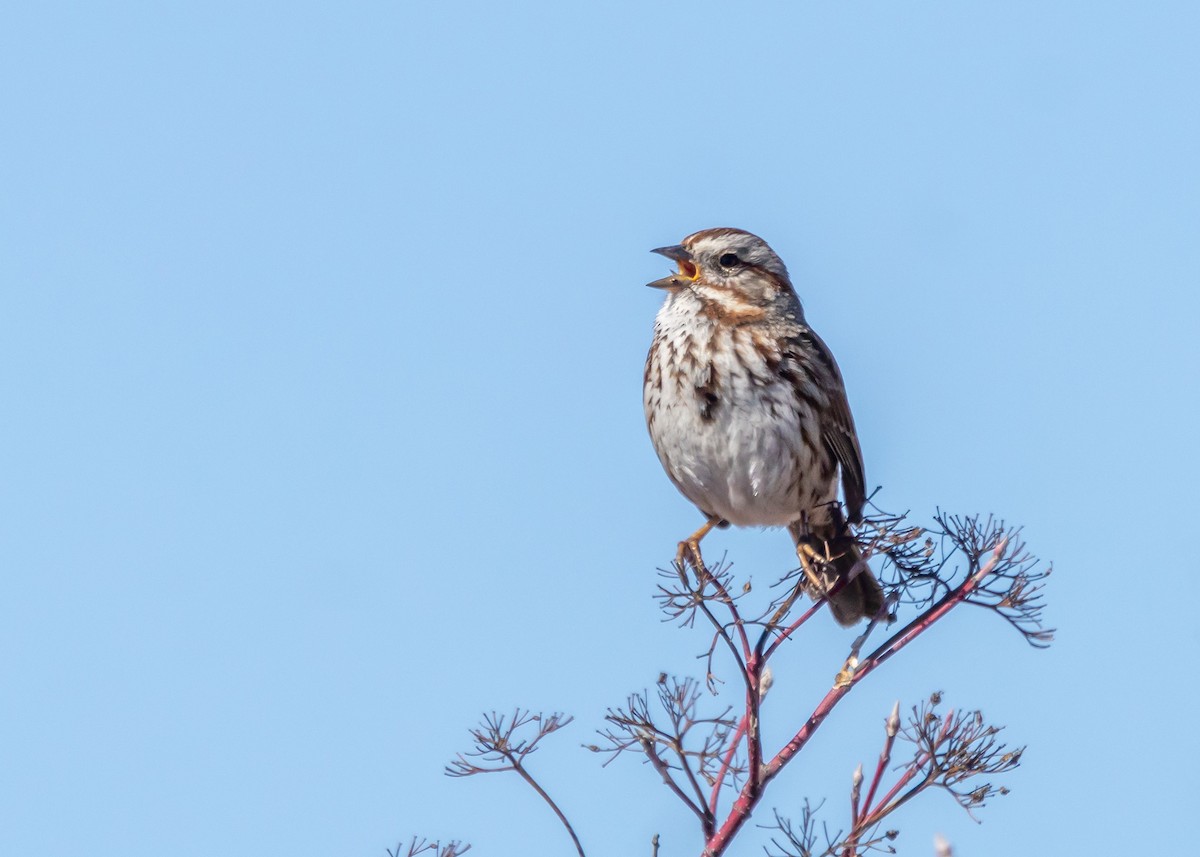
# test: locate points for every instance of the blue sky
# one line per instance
(321, 339)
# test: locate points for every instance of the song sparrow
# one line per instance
(748, 413)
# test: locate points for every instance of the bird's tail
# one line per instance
(861, 597)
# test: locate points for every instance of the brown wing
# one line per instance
(837, 430)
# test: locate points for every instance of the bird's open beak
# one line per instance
(689, 272)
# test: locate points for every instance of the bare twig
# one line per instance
(417, 846)
(498, 749)
(726, 764)
(926, 573)
(972, 542)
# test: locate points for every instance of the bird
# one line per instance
(748, 412)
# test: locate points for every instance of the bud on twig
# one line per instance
(764, 682)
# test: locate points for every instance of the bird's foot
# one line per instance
(810, 560)
(689, 548)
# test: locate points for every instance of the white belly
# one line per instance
(755, 456)
(744, 470)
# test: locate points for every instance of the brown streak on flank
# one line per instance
(654, 374)
(793, 486)
(650, 366)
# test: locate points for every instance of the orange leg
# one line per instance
(692, 544)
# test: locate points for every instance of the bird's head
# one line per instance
(729, 268)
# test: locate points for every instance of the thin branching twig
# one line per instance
(417, 846)
(711, 756)
(926, 571)
(499, 748)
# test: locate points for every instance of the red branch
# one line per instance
(885, 755)
(725, 763)
(792, 628)
(758, 777)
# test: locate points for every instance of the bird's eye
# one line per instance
(729, 260)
